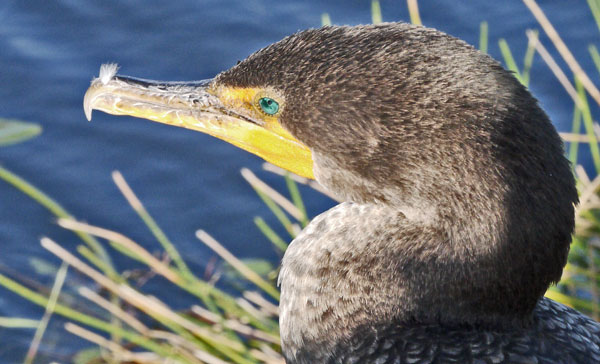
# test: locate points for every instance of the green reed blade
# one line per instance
(483, 36)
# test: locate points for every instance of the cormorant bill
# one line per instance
(459, 203)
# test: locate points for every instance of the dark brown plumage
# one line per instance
(460, 203)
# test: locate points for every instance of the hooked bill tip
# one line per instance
(107, 72)
(87, 105)
(88, 113)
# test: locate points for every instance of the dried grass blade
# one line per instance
(563, 49)
(114, 310)
(305, 181)
(554, 67)
(413, 11)
(236, 326)
(129, 244)
(121, 354)
(261, 302)
(41, 329)
(237, 264)
(258, 184)
(158, 233)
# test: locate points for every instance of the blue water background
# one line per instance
(50, 50)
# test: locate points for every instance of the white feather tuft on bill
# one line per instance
(107, 72)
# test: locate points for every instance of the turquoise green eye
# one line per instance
(268, 105)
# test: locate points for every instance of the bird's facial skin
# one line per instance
(265, 107)
(247, 117)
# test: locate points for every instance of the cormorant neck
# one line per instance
(359, 266)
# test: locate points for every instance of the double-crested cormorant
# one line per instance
(459, 203)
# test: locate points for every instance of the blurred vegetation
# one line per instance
(14, 131)
(130, 326)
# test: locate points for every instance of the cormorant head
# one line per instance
(393, 114)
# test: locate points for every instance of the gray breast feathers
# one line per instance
(557, 335)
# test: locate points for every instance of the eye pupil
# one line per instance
(268, 105)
